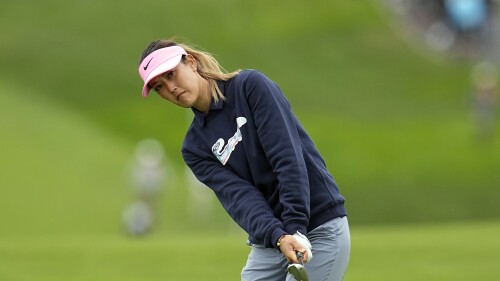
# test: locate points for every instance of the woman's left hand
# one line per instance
(289, 246)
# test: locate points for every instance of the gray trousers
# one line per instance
(331, 246)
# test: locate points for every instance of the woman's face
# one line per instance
(182, 85)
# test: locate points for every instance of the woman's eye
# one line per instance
(170, 74)
(157, 88)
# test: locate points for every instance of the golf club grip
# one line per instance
(300, 257)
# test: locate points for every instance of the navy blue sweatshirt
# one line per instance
(263, 167)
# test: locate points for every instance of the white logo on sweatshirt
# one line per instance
(224, 152)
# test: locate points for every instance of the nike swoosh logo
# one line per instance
(146, 66)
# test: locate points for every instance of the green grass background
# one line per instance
(458, 251)
(393, 124)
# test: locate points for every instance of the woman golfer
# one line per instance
(246, 145)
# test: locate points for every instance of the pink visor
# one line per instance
(158, 62)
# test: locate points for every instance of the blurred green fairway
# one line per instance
(392, 121)
(450, 252)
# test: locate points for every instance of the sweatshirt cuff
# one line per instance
(275, 236)
(291, 228)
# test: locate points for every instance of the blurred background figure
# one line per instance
(148, 176)
(138, 218)
(467, 15)
(465, 28)
(471, 21)
(485, 95)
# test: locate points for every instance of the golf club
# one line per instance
(297, 270)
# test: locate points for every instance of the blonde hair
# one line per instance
(207, 66)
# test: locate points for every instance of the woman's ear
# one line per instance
(192, 62)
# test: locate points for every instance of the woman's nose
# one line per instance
(171, 88)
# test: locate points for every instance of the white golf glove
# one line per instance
(302, 239)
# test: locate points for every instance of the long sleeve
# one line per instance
(277, 131)
(242, 201)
